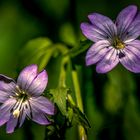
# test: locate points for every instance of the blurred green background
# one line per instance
(111, 101)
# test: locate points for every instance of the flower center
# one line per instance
(118, 44)
(21, 97)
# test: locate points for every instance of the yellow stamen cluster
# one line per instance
(118, 44)
(16, 113)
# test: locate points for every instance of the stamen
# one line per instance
(11, 97)
(17, 108)
(18, 89)
(23, 92)
(21, 98)
(118, 44)
(17, 94)
(16, 113)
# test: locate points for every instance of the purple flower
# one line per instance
(114, 42)
(23, 99)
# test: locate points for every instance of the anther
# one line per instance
(16, 113)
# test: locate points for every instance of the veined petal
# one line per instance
(92, 32)
(97, 51)
(134, 46)
(11, 124)
(7, 87)
(43, 104)
(26, 76)
(7, 84)
(108, 62)
(125, 18)
(4, 96)
(39, 84)
(22, 115)
(27, 110)
(131, 61)
(133, 31)
(5, 109)
(39, 117)
(104, 23)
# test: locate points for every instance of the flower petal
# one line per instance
(108, 62)
(131, 61)
(27, 110)
(6, 84)
(125, 18)
(96, 52)
(4, 96)
(134, 46)
(39, 84)
(104, 23)
(26, 76)
(11, 124)
(134, 30)
(38, 116)
(5, 109)
(22, 118)
(7, 87)
(92, 32)
(22, 114)
(43, 104)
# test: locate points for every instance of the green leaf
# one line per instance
(80, 118)
(38, 51)
(75, 115)
(59, 97)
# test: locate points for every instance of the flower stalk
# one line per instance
(82, 132)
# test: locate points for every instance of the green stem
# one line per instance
(62, 76)
(77, 90)
(82, 132)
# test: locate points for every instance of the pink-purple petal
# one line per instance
(11, 124)
(22, 119)
(39, 84)
(134, 30)
(134, 47)
(125, 18)
(5, 109)
(107, 63)
(4, 117)
(39, 117)
(26, 76)
(6, 84)
(4, 96)
(104, 23)
(22, 115)
(43, 104)
(7, 87)
(131, 61)
(134, 44)
(27, 110)
(97, 51)
(92, 32)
